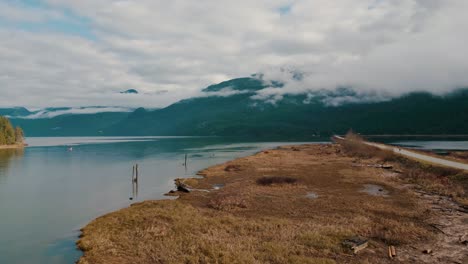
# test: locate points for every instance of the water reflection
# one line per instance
(6, 157)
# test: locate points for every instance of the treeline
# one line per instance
(8, 134)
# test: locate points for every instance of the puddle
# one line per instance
(375, 190)
(218, 186)
(312, 195)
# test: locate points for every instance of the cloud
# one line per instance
(380, 48)
(49, 113)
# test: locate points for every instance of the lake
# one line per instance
(49, 191)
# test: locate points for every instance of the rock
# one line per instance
(427, 251)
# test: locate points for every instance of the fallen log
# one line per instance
(356, 244)
(181, 186)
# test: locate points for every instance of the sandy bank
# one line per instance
(293, 204)
(13, 146)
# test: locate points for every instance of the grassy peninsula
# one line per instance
(294, 204)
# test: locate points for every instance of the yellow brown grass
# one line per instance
(247, 222)
(430, 178)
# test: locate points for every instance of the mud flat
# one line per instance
(263, 214)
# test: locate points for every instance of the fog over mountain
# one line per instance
(84, 53)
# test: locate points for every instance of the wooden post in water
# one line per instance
(185, 163)
(136, 172)
(134, 182)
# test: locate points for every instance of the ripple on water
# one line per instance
(375, 190)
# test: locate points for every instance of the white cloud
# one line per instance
(46, 113)
(378, 47)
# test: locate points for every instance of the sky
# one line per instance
(83, 53)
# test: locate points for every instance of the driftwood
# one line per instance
(181, 186)
(355, 244)
(381, 166)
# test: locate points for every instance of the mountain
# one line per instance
(240, 84)
(233, 108)
(299, 115)
(130, 91)
(69, 121)
(14, 112)
(70, 124)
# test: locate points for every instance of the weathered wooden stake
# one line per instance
(185, 163)
(136, 172)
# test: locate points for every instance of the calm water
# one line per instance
(435, 145)
(47, 193)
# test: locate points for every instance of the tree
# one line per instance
(7, 133)
(2, 139)
(19, 135)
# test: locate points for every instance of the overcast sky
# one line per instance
(83, 52)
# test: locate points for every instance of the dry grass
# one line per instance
(270, 180)
(247, 222)
(431, 178)
(174, 232)
(459, 155)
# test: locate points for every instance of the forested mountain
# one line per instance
(14, 111)
(228, 109)
(71, 124)
(299, 115)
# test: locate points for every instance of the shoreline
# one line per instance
(229, 205)
(13, 146)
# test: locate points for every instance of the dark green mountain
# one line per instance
(130, 91)
(14, 111)
(70, 125)
(239, 115)
(293, 116)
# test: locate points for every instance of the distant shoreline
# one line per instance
(414, 136)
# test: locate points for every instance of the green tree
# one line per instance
(7, 133)
(2, 139)
(19, 135)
